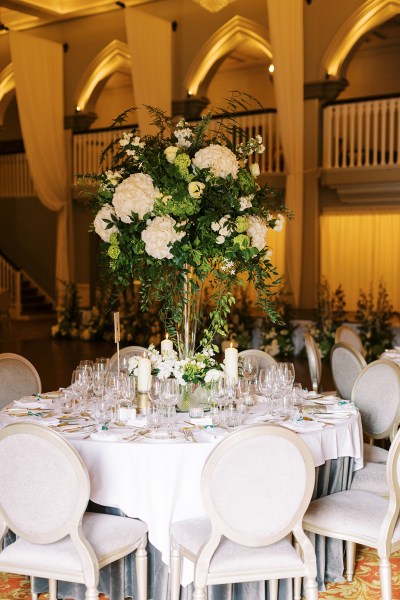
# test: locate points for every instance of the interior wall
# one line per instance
(373, 72)
(35, 249)
(116, 97)
(255, 81)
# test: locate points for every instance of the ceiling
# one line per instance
(25, 14)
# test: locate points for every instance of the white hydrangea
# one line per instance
(100, 224)
(257, 231)
(135, 194)
(159, 236)
(245, 202)
(220, 160)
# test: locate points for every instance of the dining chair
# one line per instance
(362, 517)
(44, 493)
(376, 393)
(263, 358)
(18, 378)
(346, 364)
(125, 353)
(314, 361)
(348, 335)
(256, 485)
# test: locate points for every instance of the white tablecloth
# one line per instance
(160, 482)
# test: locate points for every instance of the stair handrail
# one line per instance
(10, 280)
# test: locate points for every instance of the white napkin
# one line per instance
(49, 422)
(31, 402)
(107, 436)
(212, 434)
(303, 426)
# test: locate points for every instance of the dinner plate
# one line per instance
(325, 401)
(163, 436)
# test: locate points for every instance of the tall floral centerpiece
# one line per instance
(182, 209)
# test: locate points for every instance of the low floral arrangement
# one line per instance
(182, 207)
(330, 315)
(201, 368)
(278, 337)
(375, 317)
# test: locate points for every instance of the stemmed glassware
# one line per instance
(169, 397)
(155, 389)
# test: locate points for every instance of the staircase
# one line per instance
(27, 299)
(33, 303)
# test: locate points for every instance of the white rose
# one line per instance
(215, 226)
(257, 231)
(255, 170)
(170, 153)
(135, 194)
(159, 236)
(196, 189)
(100, 224)
(213, 375)
(220, 239)
(220, 160)
(279, 222)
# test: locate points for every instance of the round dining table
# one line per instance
(158, 481)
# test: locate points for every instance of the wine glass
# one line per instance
(170, 396)
(250, 370)
(267, 382)
(155, 390)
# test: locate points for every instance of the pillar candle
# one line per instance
(144, 373)
(166, 345)
(231, 362)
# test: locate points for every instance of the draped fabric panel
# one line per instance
(286, 31)
(150, 45)
(38, 67)
(360, 249)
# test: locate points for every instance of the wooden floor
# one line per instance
(55, 359)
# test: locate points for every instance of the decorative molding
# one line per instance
(370, 14)
(225, 39)
(325, 90)
(377, 185)
(114, 57)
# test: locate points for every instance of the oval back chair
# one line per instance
(250, 513)
(18, 378)
(314, 361)
(263, 358)
(346, 334)
(376, 393)
(346, 365)
(124, 355)
(57, 539)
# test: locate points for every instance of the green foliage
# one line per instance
(278, 336)
(375, 317)
(198, 213)
(330, 315)
(68, 315)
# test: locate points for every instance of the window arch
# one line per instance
(7, 90)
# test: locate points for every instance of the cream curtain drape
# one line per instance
(38, 67)
(286, 31)
(359, 249)
(150, 45)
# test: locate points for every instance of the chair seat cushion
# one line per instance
(372, 478)
(375, 454)
(339, 514)
(230, 557)
(109, 535)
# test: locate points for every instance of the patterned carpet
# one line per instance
(364, 587)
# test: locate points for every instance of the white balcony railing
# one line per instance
(88, 147)
(362, 134)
